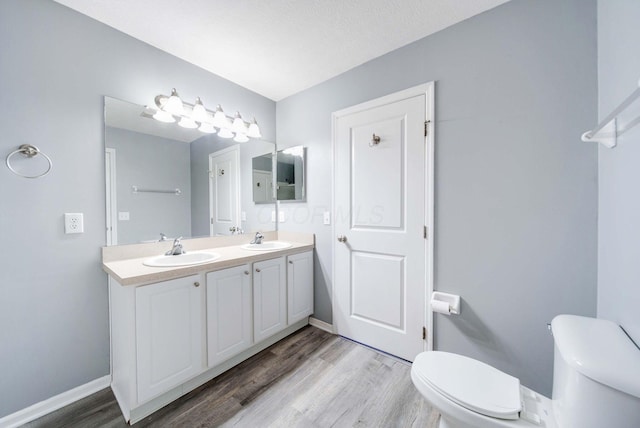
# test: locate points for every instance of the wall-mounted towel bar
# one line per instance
(607, 131)
(136, 189)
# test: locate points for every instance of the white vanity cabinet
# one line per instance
(269, 298)
(299, 286)
(229, 313)
(157, 339)
(169, 334)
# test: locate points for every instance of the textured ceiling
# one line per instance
(279, 47)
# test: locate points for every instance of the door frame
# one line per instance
(427, 89)
(112, 197)
(236, 154)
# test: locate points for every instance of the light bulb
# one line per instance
(225, 133)
(241, 138)
(174, 104)
(220, 119)
(254, 130)
(199, 113)
(238, 124)
(163, 116)
(185, 122)
(207, 128)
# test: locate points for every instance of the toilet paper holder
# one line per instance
(445, 303)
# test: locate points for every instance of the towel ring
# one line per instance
(29, 151)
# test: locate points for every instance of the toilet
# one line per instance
(596, 383)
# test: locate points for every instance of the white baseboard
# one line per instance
(54, 403)
(321, 325)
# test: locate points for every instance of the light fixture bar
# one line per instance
(171, 108)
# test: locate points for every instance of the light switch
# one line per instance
(326, 219)
(281, 217)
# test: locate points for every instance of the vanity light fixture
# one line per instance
(238, 125)
(241, 138)
(173, 104)
(199, 112)
(207, 128)
(171, 108)
(254, 130)
(163, 116)
(225, 133)
(187, 122)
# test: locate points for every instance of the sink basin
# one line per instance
(186, 259)
(267, 246)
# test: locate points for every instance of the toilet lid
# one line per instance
(470, 383)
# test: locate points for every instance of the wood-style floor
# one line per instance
(309, 379)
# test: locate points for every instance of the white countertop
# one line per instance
(124, 263)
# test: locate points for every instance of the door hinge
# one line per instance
(424, 333)
(426, 127)
(426, 232)
(211, 220)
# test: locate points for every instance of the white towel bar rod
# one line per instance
(609, 124)
(136, 189)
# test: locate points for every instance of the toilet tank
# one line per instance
(596, 374)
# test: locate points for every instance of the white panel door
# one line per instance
(169, 334)
(380, 180)
(224, 189)
(229, 313)
(299, 286)
(269, 298)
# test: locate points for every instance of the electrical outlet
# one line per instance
(73, 223)
(123, 216)
(282, 217)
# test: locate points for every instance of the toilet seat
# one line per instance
(470, 383)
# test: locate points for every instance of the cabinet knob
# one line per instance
(290, 262)
(257, 270)
(246, 272)
(196, 284)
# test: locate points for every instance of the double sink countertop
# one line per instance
(124, 263)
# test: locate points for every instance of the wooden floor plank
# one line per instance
(311, 379)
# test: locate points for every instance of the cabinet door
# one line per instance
(299, 286)
(168, 334)
(229, 313)
(269, 298)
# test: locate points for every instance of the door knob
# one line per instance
(342, 238)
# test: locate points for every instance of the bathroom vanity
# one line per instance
(175, 328)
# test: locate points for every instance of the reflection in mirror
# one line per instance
(290, 173)
(164, 179)
(263, 179)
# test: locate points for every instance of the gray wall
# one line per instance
(618, 169)
(516, 189)
(151, 162)
(56, 66)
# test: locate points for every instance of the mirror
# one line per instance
(290, 173)
(162, 178)
(263, 179)
(290, 176)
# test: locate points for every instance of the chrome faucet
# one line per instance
(257, 239)
(176, 249)
(163, 237)
(236, 230)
